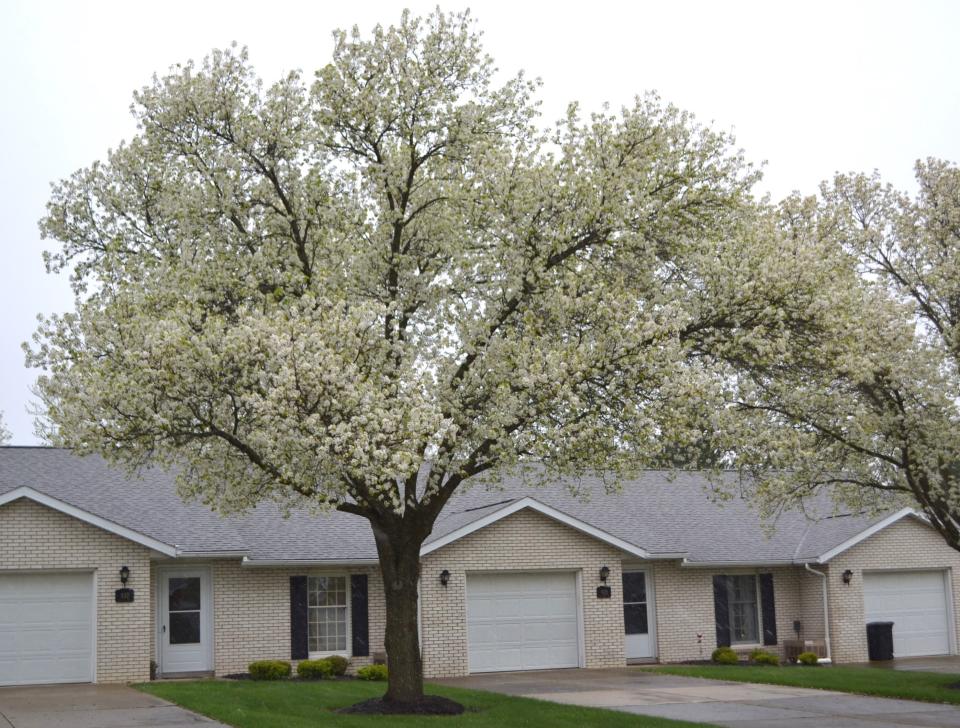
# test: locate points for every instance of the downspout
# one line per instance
(826, 610)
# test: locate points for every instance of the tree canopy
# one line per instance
(869, 406)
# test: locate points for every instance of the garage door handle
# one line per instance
(163, 629)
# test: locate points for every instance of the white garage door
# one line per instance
(916, 603)
(46, 628)
(522, 621)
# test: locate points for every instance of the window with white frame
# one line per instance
(327, 602)
(744, 609)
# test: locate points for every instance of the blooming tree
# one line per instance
(4, 432)
(363, 293)
(869, 405)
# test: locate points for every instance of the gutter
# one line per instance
(253, 563)
(826, 609)
(734, 564)
(211, 554)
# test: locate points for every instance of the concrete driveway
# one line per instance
(92, 706)
(713, 701)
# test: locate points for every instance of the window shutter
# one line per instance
(359, 621)
(721, 610)
(299, 647)
(768, 610)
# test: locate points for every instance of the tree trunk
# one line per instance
(399, 553)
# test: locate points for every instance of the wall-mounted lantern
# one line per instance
(847, 576)
(124, 595)
(444, 577)
(604, 573)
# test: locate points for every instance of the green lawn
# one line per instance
(930, 687)
(299, 705)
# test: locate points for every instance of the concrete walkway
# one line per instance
(92, 706)
(715, 702)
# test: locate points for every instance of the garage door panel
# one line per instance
(916, 604)
(46, 635)
(522, 621)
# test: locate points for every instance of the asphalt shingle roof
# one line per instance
(659, 511)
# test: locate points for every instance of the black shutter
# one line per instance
(721, 610)
(299, 649)
(768, 610)
(359, 622)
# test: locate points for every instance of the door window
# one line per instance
(635, 602)
(183, 603)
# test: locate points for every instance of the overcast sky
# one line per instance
(809, 87)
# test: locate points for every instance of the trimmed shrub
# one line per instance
(315, 669)
(809, 659)
(372, 672)
(269, 669)
(339, 664)
(762, 657)
(724, 656)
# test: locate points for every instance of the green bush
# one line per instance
(809, 659)
(372, 672)
(724, 656)
(339, 664)
(762, 657)
(269, 669)
(315, 669)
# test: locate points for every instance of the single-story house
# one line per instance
(102, 573)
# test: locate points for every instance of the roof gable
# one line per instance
(509, 508)
(868, 532)
(87, 517)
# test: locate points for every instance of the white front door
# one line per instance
(916, 603)
(185, 621)
(522, 621)
(636, 613)
(46, 628)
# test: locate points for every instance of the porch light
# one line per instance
(846, 576)
(604, 573)
(444, 577)
(124, 575)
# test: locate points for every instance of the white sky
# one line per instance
(809, 87)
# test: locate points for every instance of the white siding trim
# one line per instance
(87, 517)
(534, 505)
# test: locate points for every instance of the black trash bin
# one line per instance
(880, 640)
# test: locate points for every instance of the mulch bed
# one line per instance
(292, 678)
(742, 663)
(427, 705)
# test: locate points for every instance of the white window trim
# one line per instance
(756, 597)
(348, 652)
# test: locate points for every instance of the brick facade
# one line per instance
(252, 613)
(33, 536)
(907, 544)
(684, 608)
(252, 604)
(524, 541)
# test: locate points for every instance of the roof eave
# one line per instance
(537, 506)
(865, 534)
(87, 517)
(306, 563)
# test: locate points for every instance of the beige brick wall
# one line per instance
(907, 544)
(811, 604)
(524, 541)
(33, 536)
(684, 608)
(252, 613)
